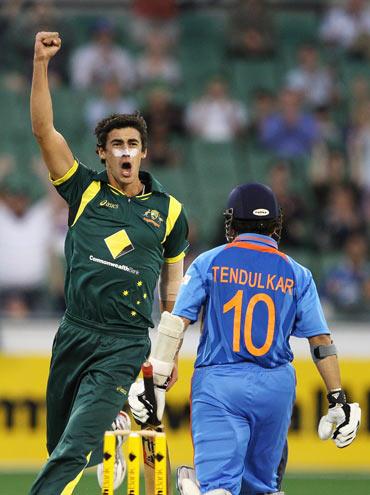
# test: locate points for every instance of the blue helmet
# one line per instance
(256, 204)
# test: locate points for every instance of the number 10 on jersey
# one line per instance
(236, 304)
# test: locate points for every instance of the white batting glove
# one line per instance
(342, 421)
(187, 483)
(142, 410)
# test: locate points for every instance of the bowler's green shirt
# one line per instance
(115, 248)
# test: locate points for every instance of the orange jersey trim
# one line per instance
(253, 247)
(257, 239)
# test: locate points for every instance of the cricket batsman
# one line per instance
(254, 298)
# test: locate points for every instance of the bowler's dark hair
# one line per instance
(120, 121)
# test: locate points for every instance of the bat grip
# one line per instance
(147, 370)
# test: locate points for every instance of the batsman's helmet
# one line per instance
(253, 207)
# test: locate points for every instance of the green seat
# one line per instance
(201, 51)
(248, 76)
(15, 107)
(84, 150)
(296, 27)
(197, 27)
(259, 162)
(68, 106)
(215, 176)
(200, 68)
(299, 168)
(350, 70)
(172, 179)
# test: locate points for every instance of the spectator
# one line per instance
(38, 15)
(290, 132)
(327, 174)
(295, 210)
(365, 303)
(341, 218)
(251, 29)
(156, 64)
(154, 16)
(359, 146)
(311, 79)
(348, 26)
(101, 59)
(161, 152)
(359, 93)
(59, 225)
(328, 128)
(25, 229)
(216, 117)
(345, 286)
(9, 10)
(263, 105)
(330, 141)
(162, 115)
(111, 100)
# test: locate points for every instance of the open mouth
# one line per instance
(126, 169)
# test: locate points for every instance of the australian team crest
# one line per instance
(153, 217)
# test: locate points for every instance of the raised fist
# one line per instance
(47, 45)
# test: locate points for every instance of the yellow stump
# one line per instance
(108, 463)
(160, 465)
(133, 464)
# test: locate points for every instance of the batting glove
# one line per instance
(142, 410)
(342, 421)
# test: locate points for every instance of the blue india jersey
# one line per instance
(254, 298)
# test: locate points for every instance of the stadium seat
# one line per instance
(296, 27)
(197, 26)
(215, 176)
(84, 150)
(247, 76)
(259, 163)
(68, 107)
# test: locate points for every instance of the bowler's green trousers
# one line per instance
(90, 376)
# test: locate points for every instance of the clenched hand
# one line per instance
(47, 45)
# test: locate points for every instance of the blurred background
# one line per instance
(275, 91)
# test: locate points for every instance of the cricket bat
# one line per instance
(148, 443)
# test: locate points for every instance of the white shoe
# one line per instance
(122, 422)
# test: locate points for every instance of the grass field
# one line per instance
(18, 483)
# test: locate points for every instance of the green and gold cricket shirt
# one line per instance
(115, 248)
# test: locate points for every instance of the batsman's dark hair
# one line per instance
(237, 226)
(120, 121)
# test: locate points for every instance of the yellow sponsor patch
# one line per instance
(119, 244)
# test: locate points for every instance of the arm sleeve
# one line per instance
(176, 244)
(193, 293)
(72, 185)
(310, 319)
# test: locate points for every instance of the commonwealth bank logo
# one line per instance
(119, 244)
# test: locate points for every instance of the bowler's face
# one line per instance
(123, 154)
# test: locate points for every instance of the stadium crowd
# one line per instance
(280, 96)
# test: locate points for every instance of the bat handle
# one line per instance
(147, 370)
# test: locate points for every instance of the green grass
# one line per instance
(18, 483)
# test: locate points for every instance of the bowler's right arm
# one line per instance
(55, 150)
